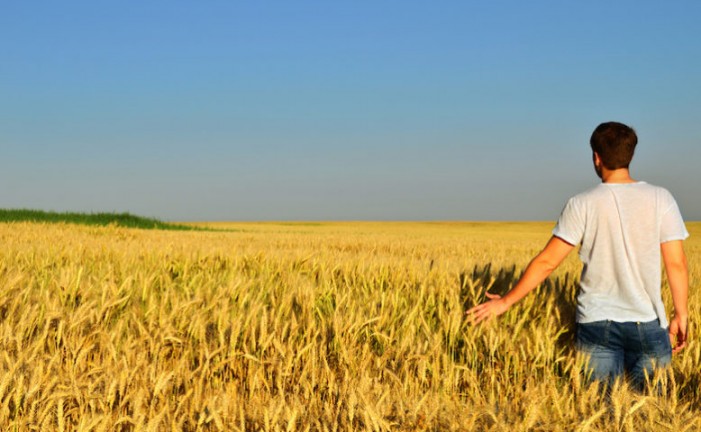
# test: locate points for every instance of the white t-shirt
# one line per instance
(620, 227)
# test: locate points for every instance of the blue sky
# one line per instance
(318, 110)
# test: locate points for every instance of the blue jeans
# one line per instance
(618, 348)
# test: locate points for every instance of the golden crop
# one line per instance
(295, 327)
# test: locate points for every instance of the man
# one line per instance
(622, 226)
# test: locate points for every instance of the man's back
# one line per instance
(620, 227)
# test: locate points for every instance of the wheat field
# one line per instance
(305, 327)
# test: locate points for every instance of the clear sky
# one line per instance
(328, 110)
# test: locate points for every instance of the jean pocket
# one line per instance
(593, 336)
(655, 339)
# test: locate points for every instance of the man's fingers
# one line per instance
(679, 347)
(473, 312)
(678, 339)
(476, 309)
(479, 313)
(478, 318)
(484, 311)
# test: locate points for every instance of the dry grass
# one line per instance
(296, 327)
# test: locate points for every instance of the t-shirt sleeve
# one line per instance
(570, 225)
(672, 225)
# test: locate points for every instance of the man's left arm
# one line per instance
(555, 251)
(678, 276)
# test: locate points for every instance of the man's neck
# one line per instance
(621, 175)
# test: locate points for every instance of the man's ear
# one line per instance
(597, 159)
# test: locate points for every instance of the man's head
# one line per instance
(614, 143)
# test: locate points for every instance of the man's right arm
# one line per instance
(678, 277)
(540, 267)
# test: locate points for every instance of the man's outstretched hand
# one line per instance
(539, 268)
(677, 333)
(494, 307)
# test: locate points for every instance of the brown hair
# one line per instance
(614, 143)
